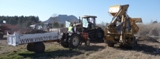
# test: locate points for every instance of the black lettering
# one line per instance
(37, 39)
(55, 37)
(22, 40)
(31, 40)
(27, 40)
(49, 37)
(40, 39)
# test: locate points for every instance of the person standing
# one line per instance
(70, 28)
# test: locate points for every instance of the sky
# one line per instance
(148, 10)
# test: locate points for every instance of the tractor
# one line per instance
(96, 34)
(122, 28)
(86, 31)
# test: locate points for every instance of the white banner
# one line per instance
(67, 24)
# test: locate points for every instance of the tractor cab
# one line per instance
(89, 21)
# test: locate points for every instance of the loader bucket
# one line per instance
(113, 10)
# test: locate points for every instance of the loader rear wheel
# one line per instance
(134, 42)
(110, 44)
(30, 46)
(39, 47)
(74, 41)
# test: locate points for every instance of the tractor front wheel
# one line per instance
(74, 41)
(87, 42)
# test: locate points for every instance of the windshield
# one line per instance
(91, 20)
(85, 22)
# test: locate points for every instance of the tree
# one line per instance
(22, 21)
(55, 24)
(61, 25)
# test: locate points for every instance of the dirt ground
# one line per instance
(148, 48)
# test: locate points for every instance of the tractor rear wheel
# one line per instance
(64, 41)
(100, 35)
(30, 46)
(39, 47)
(74, 41)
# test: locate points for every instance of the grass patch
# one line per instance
(54, 51)
(13, 54)
(51, 51)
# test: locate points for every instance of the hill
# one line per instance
(61, 19)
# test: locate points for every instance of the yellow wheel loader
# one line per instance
(122, 28)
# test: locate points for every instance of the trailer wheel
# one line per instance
(1, 35)
(74, 41)
(30, 46)
(87, 42)
(100, 34)
(39, 47)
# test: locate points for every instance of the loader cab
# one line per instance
(89, 21)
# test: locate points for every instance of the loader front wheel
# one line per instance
(74, 41)
(39, 47)
(134, 42)
(30, 46)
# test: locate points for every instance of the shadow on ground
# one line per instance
(52, 54)
(148, 39)
(144, 49)
(91, 48)
(62, 53)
